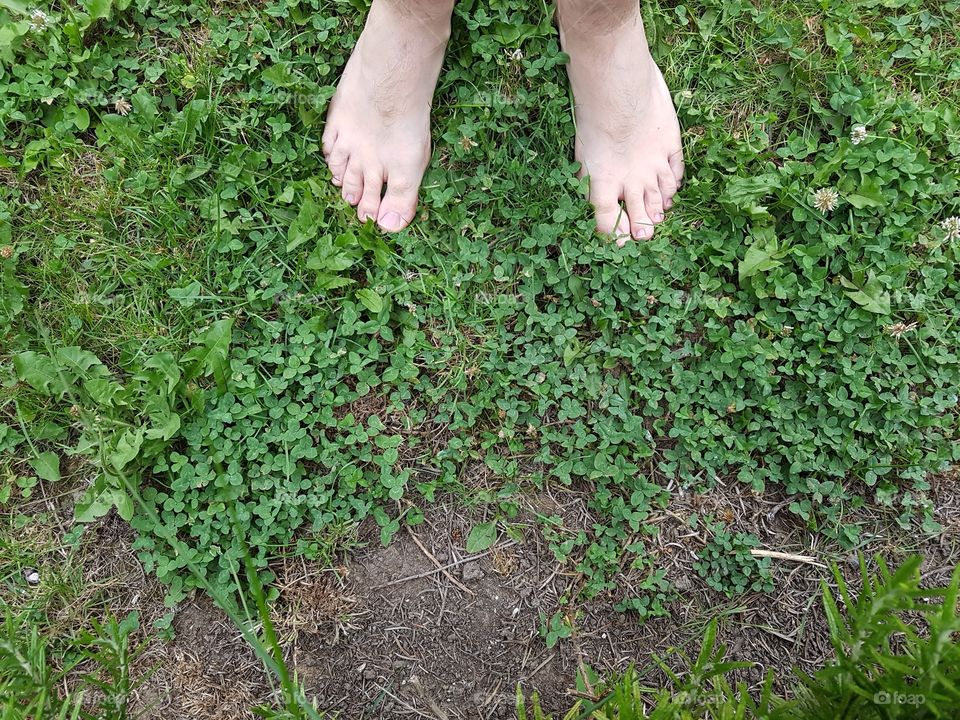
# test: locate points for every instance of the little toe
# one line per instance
(667, 184)
(369, 204)
(337, 162)
(399, 203)
(653, 202)
(676, 166)
(328, 141)
(641, 225)
(352, 183)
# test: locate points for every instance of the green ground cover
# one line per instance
(191, 316)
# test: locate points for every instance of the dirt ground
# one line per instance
(422, 629)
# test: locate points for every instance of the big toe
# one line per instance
(399, 202)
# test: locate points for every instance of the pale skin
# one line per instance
(377, 137)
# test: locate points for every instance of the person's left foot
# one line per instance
(628, 136)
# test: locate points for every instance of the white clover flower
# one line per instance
(122, 106)
(899, 328)
(858, 134)
(825, 199)
(39, 20)
(951, 226)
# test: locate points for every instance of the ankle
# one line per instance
(423, 17)
(592, 20)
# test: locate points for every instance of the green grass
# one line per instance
(185, 272)
(63, 653)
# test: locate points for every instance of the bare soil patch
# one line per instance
(455, 642)
(389, 634)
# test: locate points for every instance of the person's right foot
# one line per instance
(378, 124)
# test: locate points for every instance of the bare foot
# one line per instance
(378, 124)
(628, 136)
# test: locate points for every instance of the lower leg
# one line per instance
(596, 16)
(628, 137)
(377, 136)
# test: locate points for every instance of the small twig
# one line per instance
(408, 706)
(428, 699)
(583, 695)
(783, 636)
(786, 556)
(548, 580)
(581, 663)
(526, 656)
(461, 561)
(539, 667)
(443, 605)
(440, 567)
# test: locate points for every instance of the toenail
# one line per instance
(391, 221)
(640, 232)
(336, 180)
(658, 217)
(350, 198)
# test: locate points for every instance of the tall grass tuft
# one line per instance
(895, 657)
